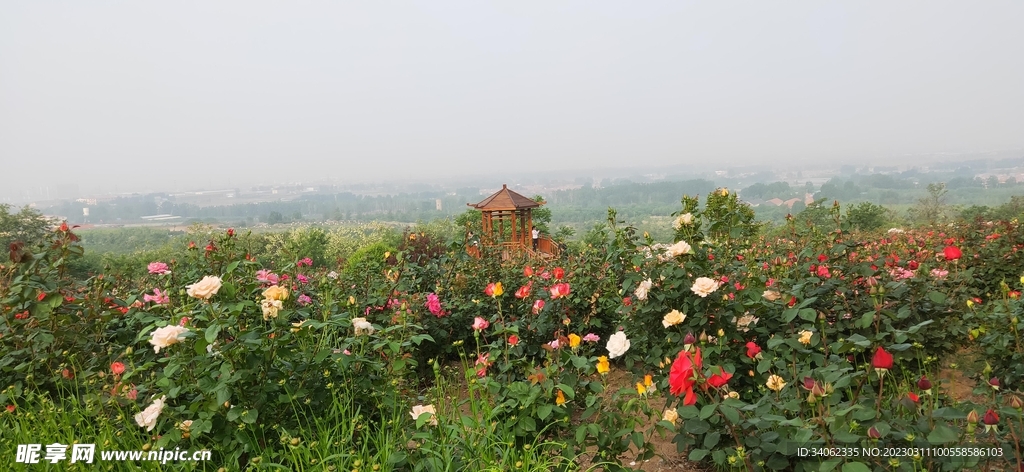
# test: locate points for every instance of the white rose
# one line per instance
(771, 295)
(744, 322)
(703, 286)
(618, 344)
(680, 248)
(673, 318)
(641, 291)
(204, 289)
(270, 308)
(147, 418)
(686, 219)
(421, 409)
(163, 337)
(362, 326)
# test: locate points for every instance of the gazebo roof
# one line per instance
(505, 199)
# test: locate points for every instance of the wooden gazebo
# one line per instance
(514, 211)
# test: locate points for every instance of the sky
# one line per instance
(158, 95)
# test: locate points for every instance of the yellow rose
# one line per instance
(805, 337)
(771, 295)
(270, 308)
(574, 341)
(775, 383)
(275, 292)
(670, 415)
(673, 318)
(602, 365)
(640, 389)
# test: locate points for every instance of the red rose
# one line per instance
(523, 291)
(681, 375)
(753, 349)
(952, 253)
(881, 359)
(719, 380)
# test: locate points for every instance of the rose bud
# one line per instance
(924, 384)
(972, 417)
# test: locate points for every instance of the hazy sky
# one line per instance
(161, 93)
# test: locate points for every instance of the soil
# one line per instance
(957, 382)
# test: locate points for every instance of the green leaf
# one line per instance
(731, 414)
(808, 314)
(856, 467)
(845, 436)
(638, 439)
(711, 440)
(250, 416)
(212, 332)
(687, 412)
(696, 426)
(579, 362)
(937, 298)
(788, 315)
(866, 319)
(544, 411)
(569, 393)
(802, 435)
(942, 434)
(830, 464)
(527, 423)
(231, 267)
(863, 414)
(698, 454)
(707, 411)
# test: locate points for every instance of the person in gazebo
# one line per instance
(536, 237)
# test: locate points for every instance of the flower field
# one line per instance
(806, 348)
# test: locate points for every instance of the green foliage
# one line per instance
(817, 215)
(818, 306)
(867, 216)
(27, 226)
(307, 385)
